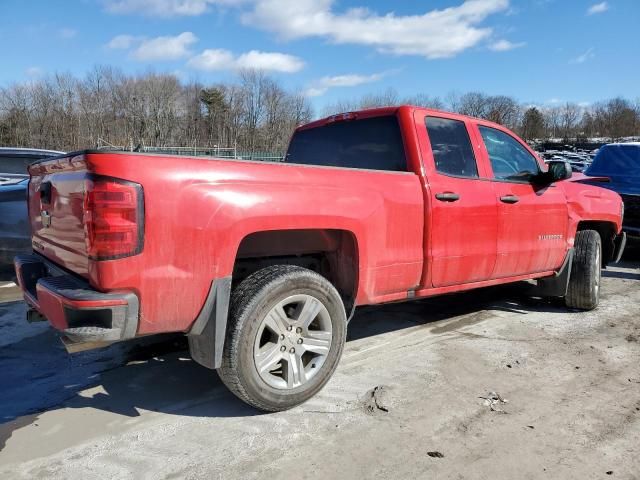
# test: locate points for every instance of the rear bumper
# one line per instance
(84, 315)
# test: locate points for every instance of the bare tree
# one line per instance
(254, 113)
(569, 117)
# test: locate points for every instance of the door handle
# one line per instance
(509, 199)
(447, 197)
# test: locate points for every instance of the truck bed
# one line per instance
(197, 212)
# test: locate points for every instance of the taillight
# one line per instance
(113, 218)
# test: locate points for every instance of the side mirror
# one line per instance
(558, 170)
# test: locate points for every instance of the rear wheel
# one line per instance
(286, 333)
(584, 282)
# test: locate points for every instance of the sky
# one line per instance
(539, 51)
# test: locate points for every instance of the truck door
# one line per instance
(460, 206)
(532, 218)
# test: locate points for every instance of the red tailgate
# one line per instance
(56, 200)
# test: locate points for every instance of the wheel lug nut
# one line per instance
(289, 328)
(298, 330)
(299, 340)
(282, 336)
(283, 348)
(293, 350)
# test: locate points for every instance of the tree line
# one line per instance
(609, 120)
(107, 107)
(253, 113)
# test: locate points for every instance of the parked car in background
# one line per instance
(620, 164)
(15, 234)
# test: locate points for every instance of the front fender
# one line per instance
(593, 204)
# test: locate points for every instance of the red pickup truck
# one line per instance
(262, 264)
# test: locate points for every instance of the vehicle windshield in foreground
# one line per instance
(618, 159)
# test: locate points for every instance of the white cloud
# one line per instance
(435, 34)
(122, 42)
(321, 86)
(505, 45)
(598, 8)
(589, 54)
(34, 72)
(213, 59)
(164, 8)
(67, 33)
(220, 59)
(279, 62)
(165, 48)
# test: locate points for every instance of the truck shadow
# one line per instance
(7, 274)
(157, 374)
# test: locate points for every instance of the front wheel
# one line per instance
(286, 333)
(584, 281)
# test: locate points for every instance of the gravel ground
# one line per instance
(486, 384)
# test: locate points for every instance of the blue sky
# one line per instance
(539, 51)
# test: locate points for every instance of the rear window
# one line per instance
(17, 163)
(616, 160)
(451, 147)
(373, 143)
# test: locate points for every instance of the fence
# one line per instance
(218, 152)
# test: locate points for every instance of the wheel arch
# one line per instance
(333, 253)
(607, 232)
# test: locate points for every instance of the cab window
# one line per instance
(509, 159)
(451, 147)
(372, 143)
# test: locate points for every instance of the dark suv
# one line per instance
(620, 163)
(15, 235)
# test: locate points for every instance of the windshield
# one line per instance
(17, 163)
(616, 160)
(372, 143)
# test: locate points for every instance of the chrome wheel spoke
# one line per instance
(295, 371)
(268, 356)
(317, 342)
(277, 321)
(309, 312)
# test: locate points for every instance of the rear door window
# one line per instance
(371, 143)
(451, 147)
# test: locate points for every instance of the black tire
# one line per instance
(584, 282)
(250, 303)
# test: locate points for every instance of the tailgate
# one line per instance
(56, 209)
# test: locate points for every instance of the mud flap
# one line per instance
(206, 337)
(620, 244)
(557, 285)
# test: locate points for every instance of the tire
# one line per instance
(584, 282)
(273, 312)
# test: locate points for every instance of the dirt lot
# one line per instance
(571, 384)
